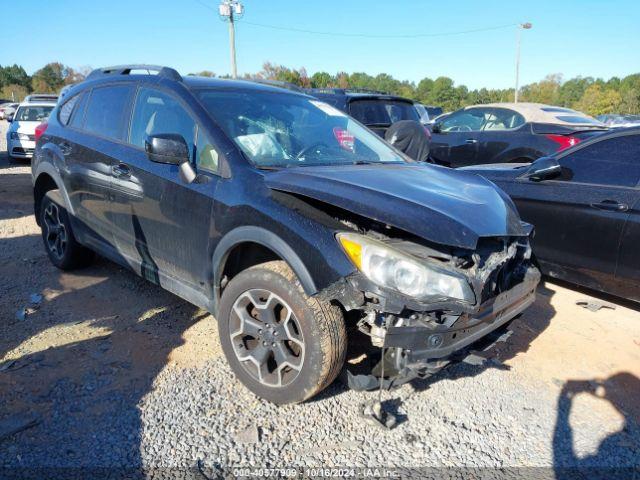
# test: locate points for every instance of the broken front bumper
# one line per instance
(423, 343)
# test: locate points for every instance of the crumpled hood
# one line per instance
(439, 204)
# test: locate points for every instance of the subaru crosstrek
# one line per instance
(295, 225)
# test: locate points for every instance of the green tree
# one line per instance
(50, 78)
(14, 75)
(598, 100)
(545, 91)
(321, 80)
(14, 92)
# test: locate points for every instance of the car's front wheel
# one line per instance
(59, 243)
(282, 344)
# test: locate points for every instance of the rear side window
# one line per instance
(107, 111)
(77, 116)
(615, 161)
(67, 109)
(503, 119)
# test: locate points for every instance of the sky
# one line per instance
(571, 37)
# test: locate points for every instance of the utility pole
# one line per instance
(229, 11)
(522, 26)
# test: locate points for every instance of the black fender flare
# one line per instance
(267, 239)
(47, 168)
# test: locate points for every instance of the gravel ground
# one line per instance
(108, 370)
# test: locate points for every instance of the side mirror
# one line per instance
(436, 127)
(543, 168)
(170, 148)
(9, 118)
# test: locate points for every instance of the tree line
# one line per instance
(594, 96)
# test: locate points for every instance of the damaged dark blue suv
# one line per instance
(297, 227)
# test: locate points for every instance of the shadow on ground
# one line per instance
(622, 392)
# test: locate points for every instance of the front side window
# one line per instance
(284, 130)
(107, 111)
(32, 113)
(206, 154)
(614, 161)
(156, 113)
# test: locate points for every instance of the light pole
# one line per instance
(522, 26)
(230, 10)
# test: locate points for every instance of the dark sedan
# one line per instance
(508, 132)
(585, 206)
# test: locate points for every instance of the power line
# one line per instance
(366, 35)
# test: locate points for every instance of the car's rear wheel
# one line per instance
(282, 344)
(60, 244)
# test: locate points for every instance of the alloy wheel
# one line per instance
(55, 231)
(267, 338)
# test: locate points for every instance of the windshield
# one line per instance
(284, 130)
(33, 113)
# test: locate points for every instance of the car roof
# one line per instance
(39, 103)
(540, 113)
(358, 94)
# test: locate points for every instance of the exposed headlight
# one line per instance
(414, 277)
(19, 136)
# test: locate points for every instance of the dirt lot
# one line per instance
(109, 370)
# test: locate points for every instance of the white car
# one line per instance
(21, 139)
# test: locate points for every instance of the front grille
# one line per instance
(22, 151)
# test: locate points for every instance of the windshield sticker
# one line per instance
(328, 109)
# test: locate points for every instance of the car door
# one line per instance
(454, 140)
(93, 140)
(504, 137)
(162, 223)
(580, 217)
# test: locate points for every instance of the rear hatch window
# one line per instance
(381, 112)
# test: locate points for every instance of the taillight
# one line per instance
(40, 129)
(563, 141)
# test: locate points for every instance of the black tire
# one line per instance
(316, 324)
(59, 243)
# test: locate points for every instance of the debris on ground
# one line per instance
(379, 415)
(594, 305)
(249, 435)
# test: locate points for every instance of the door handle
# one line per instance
(121, 170)
(612, 205)
(471, 140)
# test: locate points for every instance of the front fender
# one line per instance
(267, 239)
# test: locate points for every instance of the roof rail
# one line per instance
(343, 91)
(165, 72)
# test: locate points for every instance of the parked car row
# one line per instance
(585, 205)
(7, 109)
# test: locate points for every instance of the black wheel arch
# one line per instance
(269, 242)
